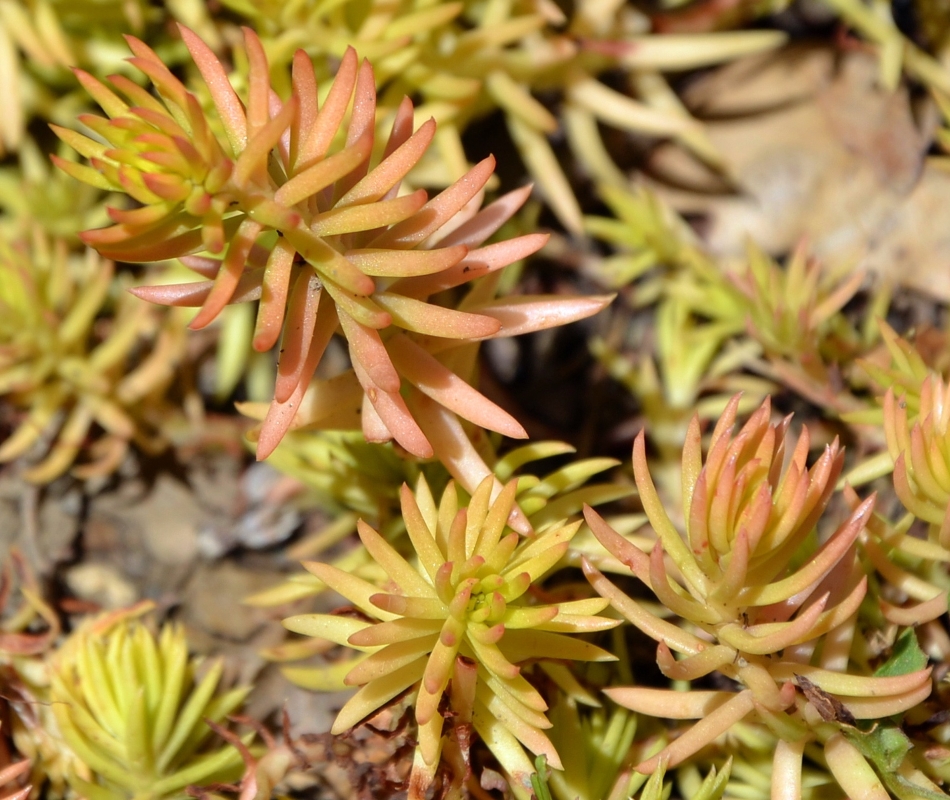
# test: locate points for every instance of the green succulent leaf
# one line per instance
(906, 657)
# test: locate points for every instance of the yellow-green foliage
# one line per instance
(132, 707)
(459, 611)
(71, 360)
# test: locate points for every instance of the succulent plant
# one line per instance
(321, 238)
(458, 614)
(467, 59)
(65, 371)
(921, 454)
(770, 609)
(596, 746)
(136, 710)
(351, 479)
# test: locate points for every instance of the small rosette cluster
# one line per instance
(135, 710)
(457, 620)
(757, 601)
(68, 371)
(919, 444)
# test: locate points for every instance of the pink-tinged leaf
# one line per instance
(204, 265)
(425, 318)
(170, 188)
(363, 309)
(138, 96)
(133, 183)
(449, 390)
(367, 348)
(206, 142)
(683, 606)
(251, 166)
(330, 117)
(167, 84)
(144, 216)
(402, 127)
(258, 83)
(803, 581)
(362, 124)
(368, 217)
(173, 162)
(230, 273)
(228, 104)
(304, 83)
(328, 405)
(693, 667)
(846, 685)
(142, 50)
(488, 220)
(917, 614)
(770, 637)
(168, 226)
(625, 552)
(702, 733)
(519, 315)
(654, 627)
(161, 142)
(283, 147)
(161, 121)
(394, 414)
(476, 264)
(374, 429)
(110, 102)
(270, 313)
(328, 262)
(264, 210)
(192, 295)
(173, 247)
(324, 173)
(199, 204)
(453, 448)
(439, 210)
(188, 295)
(733, 578)
(881, 707)
(669, 704)
(298, 333)
(110, 172)
(391, 170)
(212, 234)
(405, 263)
(280, 416)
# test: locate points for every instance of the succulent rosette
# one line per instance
(919, 445)
(459, 613)
(306, 213)
(757, 602)
(135, 710)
